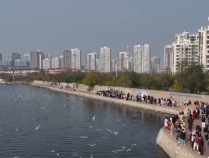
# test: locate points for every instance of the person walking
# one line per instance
(194, 114)
(201, 146)
(191, 139)
(183, 137)
(206, 132)
(195, 146)
(190, 122)
(203, 121)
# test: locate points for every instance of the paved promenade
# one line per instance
(206, 148)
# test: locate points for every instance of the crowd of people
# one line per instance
(198, 135)
(138, 98)
(177, 124)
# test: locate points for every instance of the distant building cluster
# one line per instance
(188, 48)
(96, 62)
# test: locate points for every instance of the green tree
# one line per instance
(124, 81)
(90, 80)
(176, 87)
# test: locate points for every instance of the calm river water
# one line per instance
(39, 123)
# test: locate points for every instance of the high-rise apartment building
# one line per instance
(91, 62)
(168, 57)
(105, 58)
(42, 56)
(203, 33)
(185, 49)
(113, 65)
(131, 64)
(27, 57)
(123, 61)
(15, 56)
(138, 58)
(55, 63)
(67, 58)
(21, 64)
(142, 58)
(146, 62)
(155, 63)
(75, 58)
(61, 62)
(47, 64)
(34, 60)
(98, 65)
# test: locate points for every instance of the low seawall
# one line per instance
(162, 109)
(170, 145)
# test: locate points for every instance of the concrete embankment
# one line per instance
(170, 145)
(134, 104)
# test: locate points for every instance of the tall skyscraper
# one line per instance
(42, 56)
(123, 61)
(146, 62)
(186, 49)
(67, 58)
(47, 64)
(91, 62)
(27, 57)
(131, 64)
(168, 57)
(34, 60)
(55, 63)
(203, 47)
(98, 65)
(142, 59)
(113, 65)
(105, 58)
(155, 63)
(138, 58)
(15, 56)
(0, 56)
(76, 58)
(61, 62)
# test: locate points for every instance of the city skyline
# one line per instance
(51, 32)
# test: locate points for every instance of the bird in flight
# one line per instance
(37, 127)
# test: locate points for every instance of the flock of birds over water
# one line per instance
(23, 96)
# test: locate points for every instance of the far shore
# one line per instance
(156, 108)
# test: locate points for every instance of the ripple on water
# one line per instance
(64, 120)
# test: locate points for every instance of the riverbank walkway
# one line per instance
(188, 143)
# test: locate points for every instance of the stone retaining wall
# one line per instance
(170, 145)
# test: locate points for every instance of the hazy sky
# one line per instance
(53, 26)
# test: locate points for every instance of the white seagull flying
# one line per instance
(37, 127)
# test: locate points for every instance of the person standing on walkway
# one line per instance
(203, 121)
(183, 137)
(201, 146)
(191, 139)
(206, 132)
(194, 114)
(190, 122)
(198, 113)
(195, 146)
